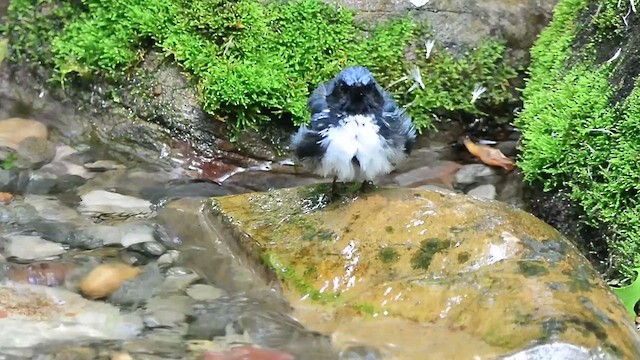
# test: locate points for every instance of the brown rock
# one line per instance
(106, 278)
(14, 130)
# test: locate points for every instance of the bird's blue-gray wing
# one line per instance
(396, 125)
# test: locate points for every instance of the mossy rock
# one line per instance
(580, 122)
(423, 269)
(253, 63)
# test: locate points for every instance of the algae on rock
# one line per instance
(417, 265)
(581, 118)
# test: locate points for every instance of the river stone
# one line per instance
(31, 247)
(37, 315)
(13, 131)
(406, 271)
(34, 152)
(101, 202)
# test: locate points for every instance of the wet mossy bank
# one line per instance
(251, 64)
(580, 127)
(406, 271)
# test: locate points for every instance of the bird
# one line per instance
(356, 132)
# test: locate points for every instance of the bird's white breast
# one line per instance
(356, 136)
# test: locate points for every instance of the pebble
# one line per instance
(62, 167)
(135, 233)
(34, 315)
(202, 292)
(167, 311)
(103, 165)
(106, 202)
(107, 278)
(153, 248)
(486, 191)
(64, 151)
(177, 281)
(41, 182)
(14, 130)
(141, 288)
(472, 173)
(18, 213)
(168, 259)
(133, 258)
(7, 180)
(34, 152)
(106, 234)
(44, 273)
(441, 173)
(28, 247)
(50, 208)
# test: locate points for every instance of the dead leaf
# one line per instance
(489, 155)
(6, 197)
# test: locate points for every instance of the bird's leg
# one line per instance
(334, 188)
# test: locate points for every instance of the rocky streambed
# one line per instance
(114, 249)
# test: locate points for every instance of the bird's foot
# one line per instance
(366, 186)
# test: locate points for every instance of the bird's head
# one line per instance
(355, 91)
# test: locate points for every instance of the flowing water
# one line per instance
(94, 191)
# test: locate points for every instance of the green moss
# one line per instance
(3, 49)
(365, 308)
(576, 136)
(608, 18)
(463, 257)
(253, 62)
(290, 278)
(8, 163)
(531, 269)
(31, 27)
(388, 255)
(428, 248)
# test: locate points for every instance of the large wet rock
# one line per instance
(421, 272)
(463, 24)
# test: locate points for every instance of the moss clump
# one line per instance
(252, 61)
(578, 135)
(388, 255)
(428, 249)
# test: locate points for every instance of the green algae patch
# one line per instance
(454, 264)
(428, 248)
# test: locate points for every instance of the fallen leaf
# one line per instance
(6, 197)
(489, 155)
(3, 314)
